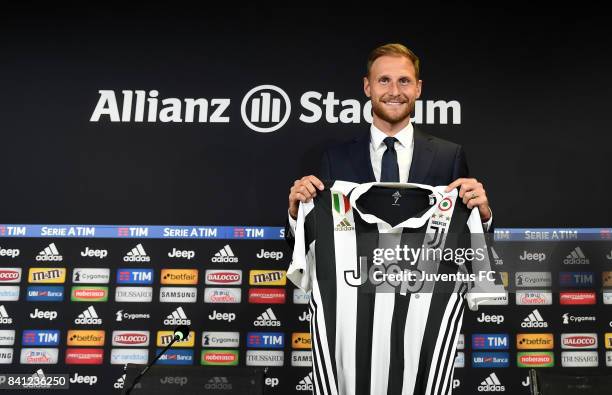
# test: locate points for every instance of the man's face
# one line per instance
(393, 88)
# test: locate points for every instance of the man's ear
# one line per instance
(366, 86)
(419, 86)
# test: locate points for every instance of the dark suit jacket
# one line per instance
(434, 162)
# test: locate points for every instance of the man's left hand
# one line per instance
(473, 194)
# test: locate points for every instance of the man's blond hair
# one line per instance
(394, 50)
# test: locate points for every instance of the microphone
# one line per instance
(181, 332)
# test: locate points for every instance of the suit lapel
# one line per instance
(360, 158)
(422, 157)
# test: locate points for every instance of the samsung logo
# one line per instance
(301, 358)
(6, 356)
(178, 294)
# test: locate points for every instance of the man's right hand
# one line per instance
(303, 190)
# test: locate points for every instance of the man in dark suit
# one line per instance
(393, 150)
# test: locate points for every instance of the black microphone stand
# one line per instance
(146, 368)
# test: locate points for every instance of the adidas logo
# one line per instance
(49, 254)
(37, 380)
(344, 225)
(534, 320)
(491, 384)
(576, 257)
(218, 383)
(305, 384)
(88, 317)
(225, 254)
(4, 317)
(137, 254)
(120, 382)
(177, 317)
(267, 318)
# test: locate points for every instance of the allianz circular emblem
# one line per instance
(265, 108)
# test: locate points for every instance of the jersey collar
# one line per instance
(414, 222)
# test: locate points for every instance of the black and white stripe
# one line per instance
(366, 342)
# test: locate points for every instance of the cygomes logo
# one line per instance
(263, 109)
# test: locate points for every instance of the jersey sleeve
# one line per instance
(486, 285)
(302, 267)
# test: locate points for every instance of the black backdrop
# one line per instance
(533, 89)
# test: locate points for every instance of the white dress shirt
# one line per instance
(404, 148)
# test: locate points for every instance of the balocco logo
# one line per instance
(262, 106)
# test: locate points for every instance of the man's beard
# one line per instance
(378, 107)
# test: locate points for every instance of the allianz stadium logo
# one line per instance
(263, 109)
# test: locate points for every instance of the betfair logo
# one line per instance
(179, 276)
(540, 341)
(52, 275)
(85, 338)
(301, 340)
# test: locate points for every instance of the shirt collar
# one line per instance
(415, 222)
(404, 136)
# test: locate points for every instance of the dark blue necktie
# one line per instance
(389, 170)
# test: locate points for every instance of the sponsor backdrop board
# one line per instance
(84, 306)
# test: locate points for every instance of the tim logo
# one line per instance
(265, 108)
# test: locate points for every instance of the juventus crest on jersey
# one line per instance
(372, 337)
